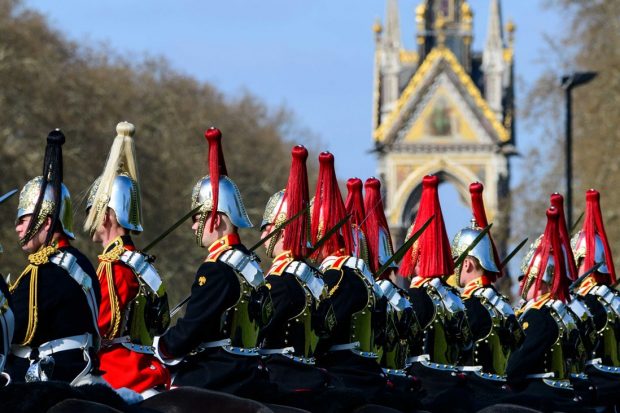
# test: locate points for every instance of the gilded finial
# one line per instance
(125, 129)
(377, 28)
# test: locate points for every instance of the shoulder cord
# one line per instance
(105, 269)
(35, 260)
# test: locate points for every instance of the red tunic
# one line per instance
(123, 367)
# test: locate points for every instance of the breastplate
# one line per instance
(492, 351)
(361, 329)
(608, 348)
(148, 314)
(400, 323)
(304, 329)
(253, 309)
(448, 334)
(568, 354)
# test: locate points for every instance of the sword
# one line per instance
(277, 228)
(471, 246)
(7, 195)
(172, 228)
(583, 276)
(398, 255)
(328, 234)
(178, 307)
(574, 227)
(506, 260)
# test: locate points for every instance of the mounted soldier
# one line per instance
(590, 247)
(495, 329)
(441, 313)
(56, 298)
(552, 352)
(350, 353)
(302, 311)
(215, 344)
(134, 304)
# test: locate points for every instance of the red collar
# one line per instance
(225, 241)
(62, 242)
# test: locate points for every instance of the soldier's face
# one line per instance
(279, 244)
(35, 243)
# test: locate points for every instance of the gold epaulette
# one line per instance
(586, 286)
(280, 263)
(471, 287)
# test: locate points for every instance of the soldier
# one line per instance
(445, 336)
(401, 322)
(134, 305)
(217, 337)
(438, 308)
(302, 311)
(590, 246)
(7, 320)
(7, 327)
(56, 298)
(495, 329)
(350, 352)
(552, 349)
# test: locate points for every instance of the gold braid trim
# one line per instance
(105, 268)
(335, 287)
(36, 259)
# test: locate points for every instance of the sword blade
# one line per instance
(329, 233)
(278, 228)
(583, 276)
(7, 195)
(510, 256)
(398, 255)
(172, 228)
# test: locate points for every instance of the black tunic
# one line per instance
(216, 288)
(63, 311)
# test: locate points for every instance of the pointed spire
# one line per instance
(495, 37)
(392, 25)
(493, 59)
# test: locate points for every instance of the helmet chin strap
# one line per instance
(272, 243)
(202, 222)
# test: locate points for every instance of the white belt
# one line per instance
(213, 344)
(348, 346)
(270, 351)
(81, 342)
(125, 341)
(548, 375)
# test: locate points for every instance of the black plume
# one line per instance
(52, 176)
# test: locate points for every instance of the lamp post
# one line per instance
(569, 82)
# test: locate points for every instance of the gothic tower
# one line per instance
(443, 109)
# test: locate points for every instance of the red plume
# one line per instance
(557, 201)
(550, 245)
(328, 210)
(297, 198)
(354, 204)
(217, 166)
(433, 247)
(375, 221)
(593, 224)
(480, 215)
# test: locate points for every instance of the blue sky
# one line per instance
(315, 57)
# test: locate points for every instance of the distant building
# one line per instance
(443, 109)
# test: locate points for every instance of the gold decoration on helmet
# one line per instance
(121, 161)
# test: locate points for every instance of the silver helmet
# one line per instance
(124, 200)
(229, 203)
(28, 199)
(483, 251)
(578, 245)
(532, 262)
(275, 211)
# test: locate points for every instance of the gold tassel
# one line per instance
(105, 268)
(36, 259)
